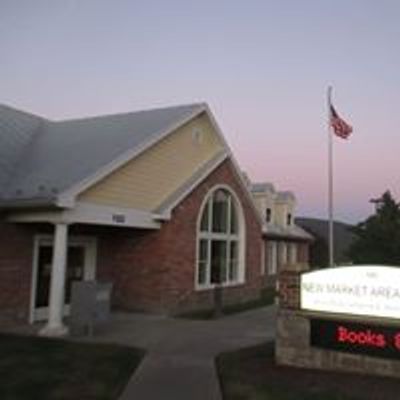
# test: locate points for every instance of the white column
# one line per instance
(55, 326)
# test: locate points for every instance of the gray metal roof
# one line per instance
(289, 232)
(285, 196)
(17, 130)
(41, 158)
(262, 187)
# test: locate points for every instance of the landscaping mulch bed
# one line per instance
(252, 374)
(39, 368)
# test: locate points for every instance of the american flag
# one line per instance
(340, 127)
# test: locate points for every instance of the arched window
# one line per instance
(220, 240)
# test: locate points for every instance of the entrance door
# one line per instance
(80, 266)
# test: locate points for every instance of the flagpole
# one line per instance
(330, 179)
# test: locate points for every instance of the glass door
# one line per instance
(80, 266)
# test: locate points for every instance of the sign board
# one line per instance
(357, 290)
(371, 340)
(90, 304)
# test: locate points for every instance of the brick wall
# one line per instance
(293, 348)
(152, 270)
(155, 270)
(289, 290)
(293, 345)
(16, 248)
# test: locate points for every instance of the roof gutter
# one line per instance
(277, 236)
(43, 202)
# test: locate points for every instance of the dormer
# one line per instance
(264, 196)
(285, 208)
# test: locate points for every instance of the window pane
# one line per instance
(272, 258)
(234, 221)
(202, 267)
(268, 214)
(220, 212)
(293, 253)
(233, 262)
(204, 225)
(218, 261)
(283, 254)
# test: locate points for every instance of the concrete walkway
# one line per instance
(179, 364)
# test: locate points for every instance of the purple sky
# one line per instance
(263, 67)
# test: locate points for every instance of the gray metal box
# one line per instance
(90, 305)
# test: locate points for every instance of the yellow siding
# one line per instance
(150, 178)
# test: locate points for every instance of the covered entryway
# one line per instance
(80, 265)
(69, 253)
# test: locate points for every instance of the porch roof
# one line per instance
(292, 232)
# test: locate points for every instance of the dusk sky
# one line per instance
(262, 66)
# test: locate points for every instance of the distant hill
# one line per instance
(343, 238)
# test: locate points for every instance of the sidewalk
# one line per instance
(179, 364)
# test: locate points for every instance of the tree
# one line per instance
(378, 237)
(319, 252)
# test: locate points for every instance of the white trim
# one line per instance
(225, 155)
(283, 254)
(56, 216)
(90, 244)
(239, 173)
(130, 154)
(90, 213)
(272, 257)
(166, 210)
(240, 238)
(68, 197)
(293, 250)
(93, 214)
(56, 300)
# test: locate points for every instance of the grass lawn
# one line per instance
(251, 374)
(39, 368)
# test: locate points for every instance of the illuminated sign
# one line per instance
(357, 290)
(371, 340)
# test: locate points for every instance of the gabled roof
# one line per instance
(273, 230)
(262, 187)
(41, 159)
(17, 130)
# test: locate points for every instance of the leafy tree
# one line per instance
(378, 237)
(319, 252)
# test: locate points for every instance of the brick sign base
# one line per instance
(296, 346)
(335, 342)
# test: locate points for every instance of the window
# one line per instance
(219, 241)
(272, 259)
(268, 215)
(293, 253)
(289, 219)
(283, 254)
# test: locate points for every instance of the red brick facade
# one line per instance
(152, 270)
(289, 279)
(156, 270)
(16, 254)
(289, 289)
